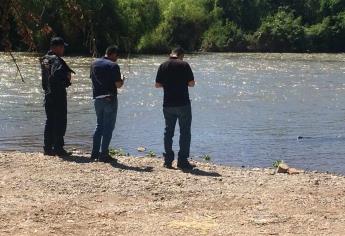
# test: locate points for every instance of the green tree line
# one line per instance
(154, 26)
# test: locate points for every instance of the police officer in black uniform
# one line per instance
(56, 77)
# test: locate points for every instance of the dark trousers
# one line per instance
(56, 123)
(184, 116)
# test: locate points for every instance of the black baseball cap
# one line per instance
(58, 41)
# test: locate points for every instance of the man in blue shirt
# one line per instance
(175, 76)
(106, 79)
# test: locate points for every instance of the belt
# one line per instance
(104, 96)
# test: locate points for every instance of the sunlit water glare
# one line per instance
(248, 109)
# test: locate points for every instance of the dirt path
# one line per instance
(51, 196)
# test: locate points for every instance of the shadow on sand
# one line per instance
(84, 160)
(199, 172)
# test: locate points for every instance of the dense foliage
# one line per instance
(153, 26)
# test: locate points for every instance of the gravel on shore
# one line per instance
(42, 195)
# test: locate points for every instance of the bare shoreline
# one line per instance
(72, 196)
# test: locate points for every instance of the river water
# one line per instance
(248, 109)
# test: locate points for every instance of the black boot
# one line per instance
(95, 156)
(168, 160)
(49, 152)
(167, 165)
(105, 157)
(184, 165)
(61, 152)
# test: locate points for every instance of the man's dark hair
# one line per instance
(178, 51)
(113, 49)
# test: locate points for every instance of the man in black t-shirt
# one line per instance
(175, 76)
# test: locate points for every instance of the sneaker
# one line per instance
(105, 157)
(185, 165)
(63, 153)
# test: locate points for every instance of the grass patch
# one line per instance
(206, 157)
(117, 152)
(276, 163)
(151, 154)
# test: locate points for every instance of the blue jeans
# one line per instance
(106, 111)
(184, 116)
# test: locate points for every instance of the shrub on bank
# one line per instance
(183, 23)
(224, 37)
(138, 18)
(154, 26)
(329, 35)
(154, 42)
(281, 32)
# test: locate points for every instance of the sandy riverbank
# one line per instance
(53, 196)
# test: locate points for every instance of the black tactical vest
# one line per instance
(46, 67)
(54, 74)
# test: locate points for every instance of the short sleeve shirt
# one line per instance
(104, 73)
(175, 75)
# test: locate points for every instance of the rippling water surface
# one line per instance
(248, 109)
